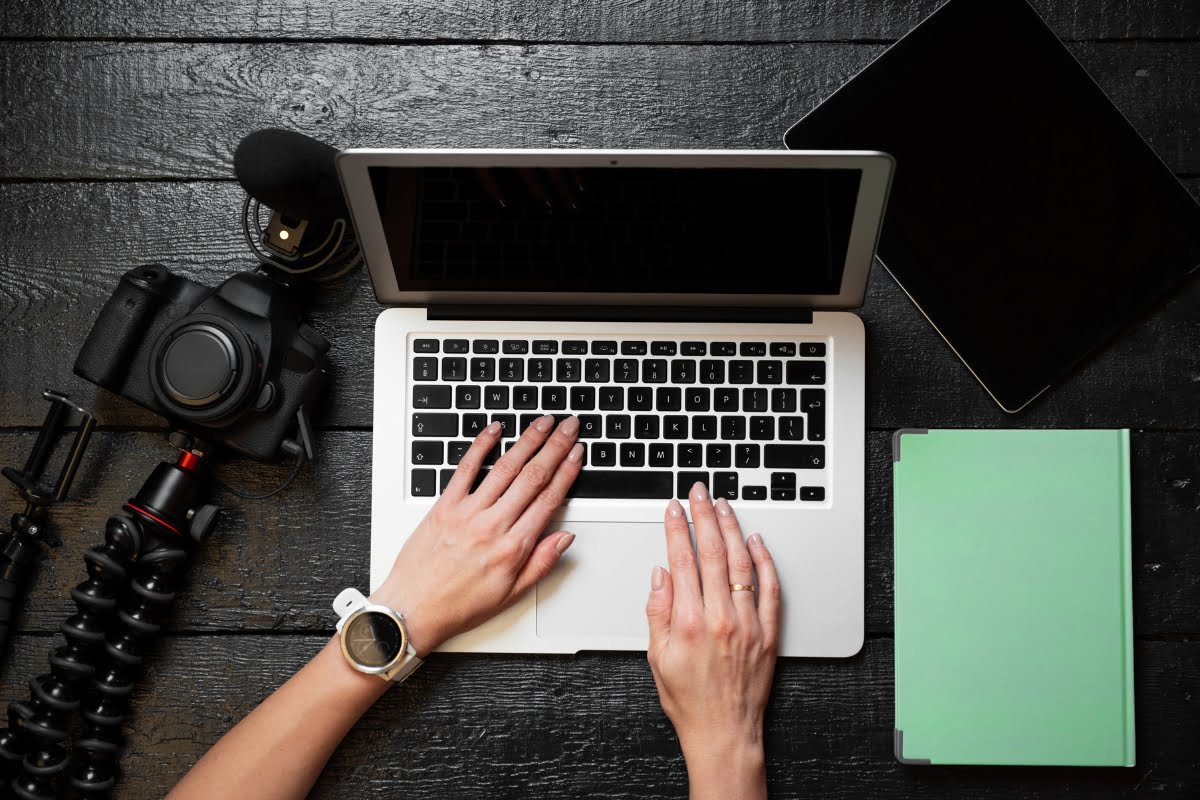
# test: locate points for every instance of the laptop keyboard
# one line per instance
(745, 417)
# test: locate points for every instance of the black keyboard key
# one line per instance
(725, 484)
(617, 426)
(541, 369)
(492, 456)
(495, 397)
(733, 429)
(444, 477)
(691, 455)
(794, 456)
(447, 474)
(662, 348)
(604, 348)
(712, 371)
(697, 399)
(654, 370)
(693, 349)
(668, 398)
(752, 349)
(425, 369)
(725, 399)
(591, 426)
(783, 486)
(508, 424)
(783, 401)
(645, 426)
(485, 346)
(612, 398)
(456, 346)
(633, 454)
(621, 484)
(662, 455)
(812, 349)
(718, 456)
(455, 451)
(467, 396)
(567, 370)
(723, 349)
(746, 456)
(640, 398)
(704, 427)
(428, 454)
(675, 427)
(424, 482)
(812, 402)
(435, 425)
(554, 398)
(783, 349)
(682, 371)
(483, 369)
(686, 480)
(512, 370)
(633, 348)
(545, 347)
(583, 398)
(431, 397)
(596, 370)
(425, 346)
(525, 420)
(515, 347)
(525, 397)
(575, 348)
(812, 493)
(454, 369)
(754, 401)
(754, 493)
(473, 424)
(770, 372)
(791, 429)
(762, 428)
(604, 454)
(806, 373)
(625, 370)
(741, 372)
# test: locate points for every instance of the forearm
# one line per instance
(730, 771)
(278, 751)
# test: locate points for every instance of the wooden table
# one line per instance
(117, 125)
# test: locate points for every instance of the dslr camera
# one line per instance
(235, 365)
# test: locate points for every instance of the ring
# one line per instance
(741, 587)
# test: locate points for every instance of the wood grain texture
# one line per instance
(559, 20)
(65, 245)
(590, 726)
(275, 565)
(141, 110)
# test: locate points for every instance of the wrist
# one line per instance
(423, 631)
(732, 766)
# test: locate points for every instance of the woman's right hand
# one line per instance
(713, 649)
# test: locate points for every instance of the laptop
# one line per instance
(693, 308)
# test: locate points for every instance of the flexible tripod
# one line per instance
(132, 580)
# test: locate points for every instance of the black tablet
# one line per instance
(1028, 220)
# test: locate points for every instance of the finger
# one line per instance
(505, 471)
(537, 514)
(710, 552)
(536, 188)
(472, 460)
(741, 566)
(658, 610)
(768, 590)
(685, 581)
(538, 474)
(541, 561)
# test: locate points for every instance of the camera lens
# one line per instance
(198, 366)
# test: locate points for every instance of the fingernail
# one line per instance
(493, 429)
(569, 426)
(656, 578)
(576, 453)
(699, 491)
(755, 540)
(544, 424)
(674, 509)
(723, 507)
(564, 543)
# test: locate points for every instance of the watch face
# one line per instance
(373, 639)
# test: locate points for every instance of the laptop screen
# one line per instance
(720, 230)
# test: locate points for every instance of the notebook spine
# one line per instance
(1126, 545)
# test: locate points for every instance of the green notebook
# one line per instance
(1013, 617)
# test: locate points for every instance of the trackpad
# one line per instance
(598, 591)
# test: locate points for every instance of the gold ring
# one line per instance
(741, 587)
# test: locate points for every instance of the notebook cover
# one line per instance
(1013, 615)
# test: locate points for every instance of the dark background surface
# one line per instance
(117, 127)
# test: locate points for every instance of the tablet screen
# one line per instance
(1028, 220)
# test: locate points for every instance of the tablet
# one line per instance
(1028, 220)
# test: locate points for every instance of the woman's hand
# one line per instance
(476, 553)
(712, 649)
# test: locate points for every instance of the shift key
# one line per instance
(794, 456)
(442, 425)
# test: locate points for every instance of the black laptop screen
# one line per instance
(618, 229)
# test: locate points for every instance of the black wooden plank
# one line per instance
(591, 726)
(559, 20)
(65, 245)
(277, 564)
(178, 109)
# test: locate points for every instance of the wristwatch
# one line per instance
(374, 637)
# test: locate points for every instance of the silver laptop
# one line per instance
(691, 307)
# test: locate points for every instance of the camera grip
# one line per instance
(117, 332)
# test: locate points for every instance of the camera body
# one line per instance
(236, 365)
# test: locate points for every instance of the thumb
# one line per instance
(658, 607)
(541, 561)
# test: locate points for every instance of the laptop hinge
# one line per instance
(803, 316)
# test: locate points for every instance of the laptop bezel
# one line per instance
(876, 168)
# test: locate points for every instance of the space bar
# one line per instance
(623, 484)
